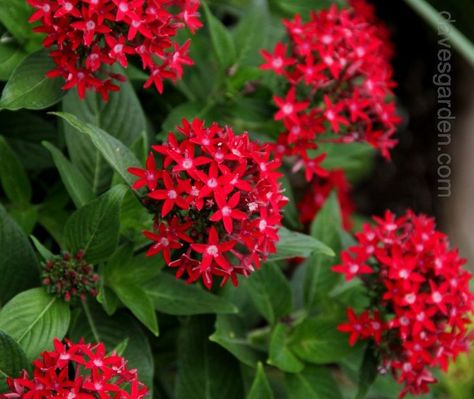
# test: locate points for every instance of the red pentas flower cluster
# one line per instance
(216, 201)
(318, 191)
(421, 302)
(77, 371)
(90, 36)
(339, 77)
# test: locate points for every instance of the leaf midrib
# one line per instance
(37, 319)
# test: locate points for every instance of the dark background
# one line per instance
(410, 181)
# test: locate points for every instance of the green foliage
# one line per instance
(280, 354)
(270, 292)
(367, 373)
(317, 341)
(65, 183)
(293, 244)
(111, 127)
(28, 87)
(260, 387)
(24, 132)
(14, 16)
(205, 371)
(230, 333)
(33, 319)
(312, 383)
(94, 228)
(12, 360)
(13, 178)
(11, 54)
(18, 265)
(119, 157)
(74, 181)
(222, 41)
(319, 279)
(175, 297)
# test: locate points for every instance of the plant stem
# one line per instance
(436, 19)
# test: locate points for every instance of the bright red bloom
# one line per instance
(339, 82)
(277, 61)
(227, 210)
(289, 107)
(423, 294)
(364, 326)
(80, 371)
(352, 266)
(148, 177)
(91, 35)
(216, 202)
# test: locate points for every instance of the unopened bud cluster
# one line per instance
(70, 277)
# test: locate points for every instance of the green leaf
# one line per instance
(280, 355)
(45, 253)
(222, 40)
(293, 244)
(33, 319)
(12, 360)
(113, 150)
(230, 333)
(327, 226)
(122, 117)
(355, 158)
(136, 299)
(14, 15)
(251, 34)
(302, 7)
(174, 296)
(138, 270)
(52, 213)
(436, 20)
(141, 146)
(94, 228)
(318, 341)
(367, 373)
(19, 268)
(290, 212)
(122, 280)
(319, 279)
(24, 131)
(94, 325)
(28, 87)
(72, 178)
(26, 217)
(108, 298)
(205, 371)
(312, 383)
(13, 177)
(134, 219)
(270, 292)
(11, 54)
(260, 387)
(120, 348)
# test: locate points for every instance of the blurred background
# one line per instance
(422, 159)
(412, 180)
